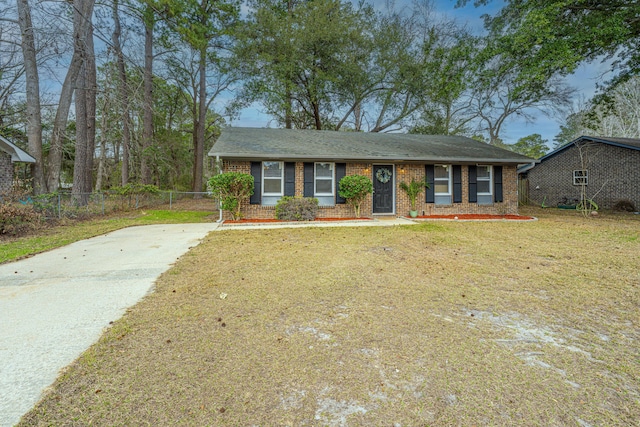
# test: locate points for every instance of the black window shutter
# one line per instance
(473, 184)
(341, 171)
(497, 183)
(308, 180)
(256, 172)
(457, 184)
(289, 179)
(430, 195)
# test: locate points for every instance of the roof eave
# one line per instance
(282, 156)
(24, 158)
(586, 138)
(17, 155)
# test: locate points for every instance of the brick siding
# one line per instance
(509, 206)
(613, 174)
(404, 172)
(6, 172)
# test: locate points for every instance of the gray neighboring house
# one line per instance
(10, 154)
(609, 168)
(464, 175)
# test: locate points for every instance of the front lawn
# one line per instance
(442, 323)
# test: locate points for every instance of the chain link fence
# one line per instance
(73, 205)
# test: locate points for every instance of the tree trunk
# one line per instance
(84, 101)
(103, 148)
(357, 115)
(83, 11)
(91, 93)
(316, 115)
(34, 119)
(288, 114)
(147, 131)
(124, 95)
(80, 161)
(198, 158)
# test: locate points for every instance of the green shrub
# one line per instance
(135, 195)
(413, 190)
(297, 208)
(355, 188)
(135, 189)
(232, 188)
(17, 219)
(46, 204)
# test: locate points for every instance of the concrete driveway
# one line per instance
(54, 305)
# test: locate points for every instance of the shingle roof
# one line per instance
(17, 155)
(287, 144)
(632, 143)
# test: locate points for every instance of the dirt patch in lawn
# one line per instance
(439, 324)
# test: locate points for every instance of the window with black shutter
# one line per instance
(308, 180)
(497, 183)
(256, 172)
(341, 171)
(429, 171)
(289, 179)
(457, 184)
(473, 185)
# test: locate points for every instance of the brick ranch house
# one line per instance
(10, 154)
(608, 167)
(464, 175)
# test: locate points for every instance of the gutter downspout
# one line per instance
(219, 200)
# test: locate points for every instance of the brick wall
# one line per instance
(614, 174)
(404, 172)
(6, 172)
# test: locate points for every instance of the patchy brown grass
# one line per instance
(438, 324)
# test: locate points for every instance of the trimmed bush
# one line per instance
(297, 208)
(355, 189)
(232, 188)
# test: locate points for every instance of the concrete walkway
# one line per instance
(54, 305)
(376, 222)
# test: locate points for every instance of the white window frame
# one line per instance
(449, 180)
(581, 177)
(264, 193)
(490, 180)
(323, 178)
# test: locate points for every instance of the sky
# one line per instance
(584, 79)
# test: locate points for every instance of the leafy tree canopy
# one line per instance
(532, 146)
(557, 35)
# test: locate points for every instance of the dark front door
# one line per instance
(382, 189)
